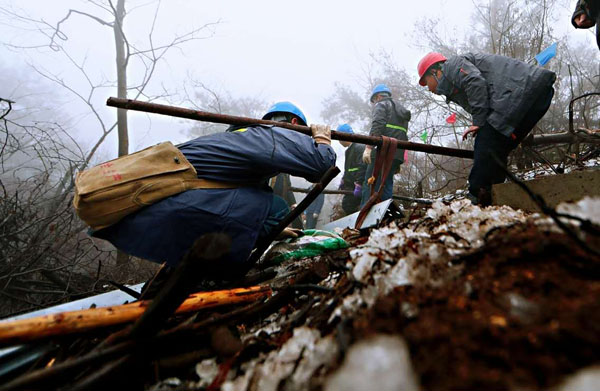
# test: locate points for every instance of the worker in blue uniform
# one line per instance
(246, 156)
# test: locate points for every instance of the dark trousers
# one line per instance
(311, 220)
(486, 170)
(388, 186)
(350, 203)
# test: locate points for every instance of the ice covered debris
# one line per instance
(447, 231)
(421, 252)
(380, 363)
(587, 208)
(295, 363)
(466, 224)
(206, 370)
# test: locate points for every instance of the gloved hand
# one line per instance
(357, 190)
(471, 131)
(366, 158)
(290, 233)
(321, 134)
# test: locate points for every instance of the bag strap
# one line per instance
(383, 164)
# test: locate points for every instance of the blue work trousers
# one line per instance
(388, 186)
(279, 209)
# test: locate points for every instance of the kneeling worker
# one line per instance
(244, 156)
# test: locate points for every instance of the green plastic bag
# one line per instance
(314, 242)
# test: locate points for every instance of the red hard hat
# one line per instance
(426, 63)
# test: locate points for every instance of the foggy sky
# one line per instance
(273, 50)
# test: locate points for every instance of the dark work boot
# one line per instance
(485, 197)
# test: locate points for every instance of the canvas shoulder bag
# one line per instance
(106, 193)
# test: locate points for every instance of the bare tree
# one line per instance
(202, 97)
(45, 255)
(146, 58)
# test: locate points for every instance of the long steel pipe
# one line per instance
(130, 104)
(350, 192)
(560, 138)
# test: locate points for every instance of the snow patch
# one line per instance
(379, 363)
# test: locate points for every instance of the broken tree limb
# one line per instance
(180, 112)
(203, 255)
(424, 201)
(55, 374)
(63, 323)
(205, 251)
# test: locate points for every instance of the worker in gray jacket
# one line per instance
(505, 97)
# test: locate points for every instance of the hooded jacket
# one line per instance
(495, 89)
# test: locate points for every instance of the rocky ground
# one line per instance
(463, 298)
(452, 297)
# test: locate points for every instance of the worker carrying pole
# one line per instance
(228, 194)
(180, 112)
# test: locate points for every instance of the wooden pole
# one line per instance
(64, 323)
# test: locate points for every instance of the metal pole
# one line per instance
(350, 192)
(180, 112)
(560, 138)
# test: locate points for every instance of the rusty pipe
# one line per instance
(424, 201)
(560, 138)
(180, 112)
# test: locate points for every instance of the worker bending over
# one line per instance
(244, 156)
(505, 97)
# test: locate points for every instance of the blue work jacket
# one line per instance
(249, 156)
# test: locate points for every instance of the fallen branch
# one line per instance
(24, 330)
(170, 338)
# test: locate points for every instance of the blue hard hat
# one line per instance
(285, 107)
(345, 128)
(378, 89)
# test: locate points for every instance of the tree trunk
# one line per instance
(121, 77)
(122, 258)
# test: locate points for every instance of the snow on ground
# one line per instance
(392, 256)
